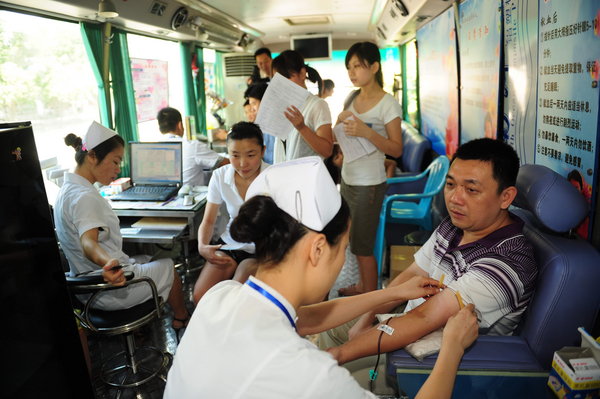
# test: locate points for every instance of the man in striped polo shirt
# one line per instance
(480, 249)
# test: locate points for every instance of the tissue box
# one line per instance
(575, 374)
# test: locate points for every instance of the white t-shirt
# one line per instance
(196, 157)
(316, 114)
(239, 344)
(369, 170)
(222, 188)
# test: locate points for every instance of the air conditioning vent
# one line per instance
(239, 65)
(158, 8)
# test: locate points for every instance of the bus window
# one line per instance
(156, 72)
(45, 77)
(411, 109)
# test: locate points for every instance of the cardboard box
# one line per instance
(575, 374)
(401, 257)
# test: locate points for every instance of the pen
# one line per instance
(169, 200)
(442, 280)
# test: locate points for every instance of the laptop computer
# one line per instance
(156, 171)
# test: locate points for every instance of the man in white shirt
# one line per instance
(197, 156)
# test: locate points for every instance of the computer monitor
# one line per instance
(156, 163)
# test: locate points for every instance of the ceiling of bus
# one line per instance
(349, 18)
(244, 25)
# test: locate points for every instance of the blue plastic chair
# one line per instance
(413, 208)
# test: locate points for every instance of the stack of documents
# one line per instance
(158, 223)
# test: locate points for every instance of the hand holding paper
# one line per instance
(295, 117)
(352, 147)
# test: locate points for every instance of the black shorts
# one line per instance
(237, 255)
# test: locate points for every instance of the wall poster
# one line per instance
(438, 83)
(151, 86)
(568, 93)
(479, 50)
(520, 72)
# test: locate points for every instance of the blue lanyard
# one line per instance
(271, 298)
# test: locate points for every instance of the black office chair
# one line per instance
(135, 365)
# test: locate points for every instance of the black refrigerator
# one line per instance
(40, 350)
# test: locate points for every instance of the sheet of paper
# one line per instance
(158, 223)
(233, 247)
(352, 147)
(281, 93)
(130, 230)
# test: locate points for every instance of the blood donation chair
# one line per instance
(415, 149)
(566, 297)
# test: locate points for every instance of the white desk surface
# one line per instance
(171, 204)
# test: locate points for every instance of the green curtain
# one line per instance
(200, 91)
(189, 101)
(123, 93)
(219, 81)
(92, 40)
(404, 83)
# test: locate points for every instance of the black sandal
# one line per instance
(180, 330)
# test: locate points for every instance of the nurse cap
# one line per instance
(96, 134)
(302, 188)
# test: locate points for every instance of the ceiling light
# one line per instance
(308, 20)
(106, 9)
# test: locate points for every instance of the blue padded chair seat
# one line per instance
(509, 353)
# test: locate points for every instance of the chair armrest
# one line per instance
(413, 196)
(93, 279)
(97, 289)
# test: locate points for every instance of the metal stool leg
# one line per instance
(134, 366)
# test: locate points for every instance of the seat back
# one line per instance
(437, 171)
(566, 295)
(415, 149)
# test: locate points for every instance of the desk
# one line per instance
(131, 211)
(173, 209)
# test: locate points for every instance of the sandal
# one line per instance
(351, 290)
(180, 330)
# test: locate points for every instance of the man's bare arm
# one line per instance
(367, 319)
(428, 317)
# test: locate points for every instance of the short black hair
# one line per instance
(256, 90)
(246, 130)
(328, 84)
(262, 50)
(504, 159)
(168, 118)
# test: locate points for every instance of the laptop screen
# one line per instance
(156, 163)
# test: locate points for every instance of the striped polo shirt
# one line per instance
(496, 273)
